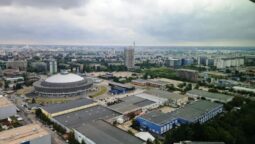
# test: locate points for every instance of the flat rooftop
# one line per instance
(54, 108)
(20, 134)
(130, 103)
(4, 102)
(165, 94)
(159, 117)
(220, 97)
(189, 112)
(102, 132)
(88, 115)
(121, 85)
(194, 110)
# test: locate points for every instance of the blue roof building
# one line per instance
(197, 112)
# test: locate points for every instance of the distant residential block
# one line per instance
(229, 62)
(174, 63)
(20, 65)
(187, 74)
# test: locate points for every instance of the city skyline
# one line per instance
(119, 22)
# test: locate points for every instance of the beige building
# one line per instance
(20, 65)
(28, 134)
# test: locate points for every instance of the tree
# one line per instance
(33, 100)
(6, 84)
(149, 141)
(197, 86)
(232, 128)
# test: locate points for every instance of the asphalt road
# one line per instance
(29, 118)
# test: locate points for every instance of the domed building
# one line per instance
(62, 85)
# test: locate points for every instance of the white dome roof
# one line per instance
(64, 78)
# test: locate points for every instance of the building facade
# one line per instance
(129, 57)
(229, 62)
(20, 65)
(174, 63)
(187, 74)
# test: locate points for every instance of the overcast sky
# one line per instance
(148, 22)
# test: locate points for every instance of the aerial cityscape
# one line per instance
(127, 72)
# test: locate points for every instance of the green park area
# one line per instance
(160, 73)
(51, 100)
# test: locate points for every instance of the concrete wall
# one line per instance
(80, 137)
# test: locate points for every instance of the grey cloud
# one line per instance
(65, 4)
(229, 24)
(59, 30)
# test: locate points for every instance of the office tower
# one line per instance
(129, 57)
(202, 60)
(52, 66)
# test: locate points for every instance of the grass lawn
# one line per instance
(51, 100)
(102, 90)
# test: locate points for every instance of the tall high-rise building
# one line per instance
(202, 60)
(52, 66)
(129, 56)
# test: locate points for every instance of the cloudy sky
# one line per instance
(120, 22)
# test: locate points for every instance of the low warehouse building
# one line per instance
(53, 110)
(7, 108)
(93, 126)
(198, 111)
(101, 132)
(173, 98)
(29, 134)
(195, 93)
(133, 104)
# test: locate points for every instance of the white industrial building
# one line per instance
(28, 134)
(158, 100)
(7, 108)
